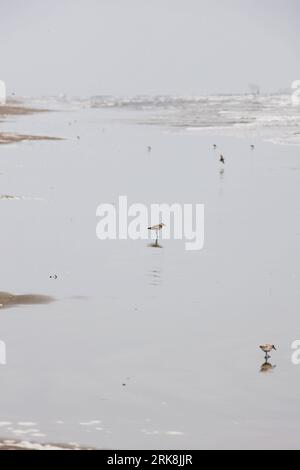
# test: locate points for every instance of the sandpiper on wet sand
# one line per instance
(266, 348)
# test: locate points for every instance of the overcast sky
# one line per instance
(88, 47)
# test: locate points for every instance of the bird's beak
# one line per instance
(274, 347)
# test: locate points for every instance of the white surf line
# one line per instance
(9, 197)
(90, 423)
(26, 423)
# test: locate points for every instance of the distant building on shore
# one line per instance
(2, 92)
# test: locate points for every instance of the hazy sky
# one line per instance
(86, 47)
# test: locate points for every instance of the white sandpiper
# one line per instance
(157, 228)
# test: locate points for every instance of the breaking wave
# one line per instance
(272, 117)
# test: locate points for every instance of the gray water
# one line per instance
(272, 117)
(143, 347)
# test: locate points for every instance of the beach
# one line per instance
(115, 344)
(15, 109)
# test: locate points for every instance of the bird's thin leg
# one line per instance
(156, 234)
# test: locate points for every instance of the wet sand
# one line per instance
(8, 300)
(146, 347)
(9, 138)
(18, 110)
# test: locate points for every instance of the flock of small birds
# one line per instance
(222, 159)
(266, 348)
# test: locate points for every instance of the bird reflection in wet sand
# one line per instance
(221, 173)
(155, 275)
(155, 244)
(267, 367)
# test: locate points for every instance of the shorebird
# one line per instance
(157, 228)
(222, 160)
(215, 146)
(266, 348)
(252, 147)
(149, 148)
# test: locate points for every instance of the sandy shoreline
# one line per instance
(11, 138)
(18, 110)
(7, 299)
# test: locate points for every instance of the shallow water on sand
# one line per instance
(145, 347)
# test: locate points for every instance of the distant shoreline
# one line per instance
(12, 109)
(19, 110)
